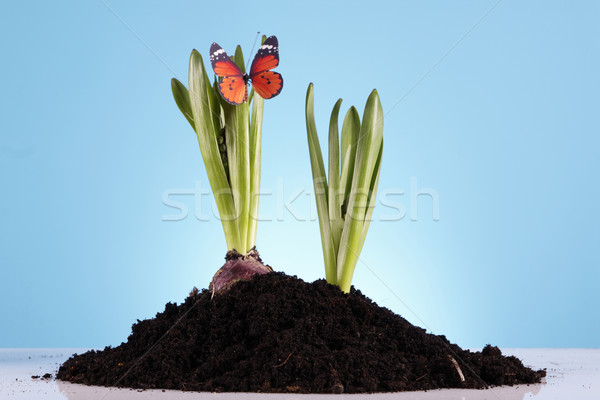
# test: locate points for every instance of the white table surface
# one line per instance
(571, 374)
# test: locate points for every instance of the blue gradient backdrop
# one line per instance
(491, 120)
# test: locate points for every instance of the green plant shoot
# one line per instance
(345, 196)
(230, 142)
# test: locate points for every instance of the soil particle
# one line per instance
(277, 333)
(45, 376)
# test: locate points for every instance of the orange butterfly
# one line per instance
(233, 84)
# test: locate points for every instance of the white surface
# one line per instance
(571, 374)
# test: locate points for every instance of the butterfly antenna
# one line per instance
(252, 51)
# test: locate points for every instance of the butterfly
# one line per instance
(233, 84)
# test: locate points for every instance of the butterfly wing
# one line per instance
(233, 89)
(232, 85)
(265, 82)
(267, 56)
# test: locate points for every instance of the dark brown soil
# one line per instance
(277, 333)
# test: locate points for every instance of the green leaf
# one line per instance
(238, 58)
(238, 155)
(182, 98)
(320, 187)
(350, 133)
(371, 200)
(367, 155)
(255, 154)
(335, 198)
(206, 116)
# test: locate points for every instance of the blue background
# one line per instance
(491, 107)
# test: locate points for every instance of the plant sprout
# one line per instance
(346, 195)
(230, 142)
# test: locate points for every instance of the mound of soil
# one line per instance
(277, 333)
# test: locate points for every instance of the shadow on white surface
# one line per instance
(572, 374)
(76, 392)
